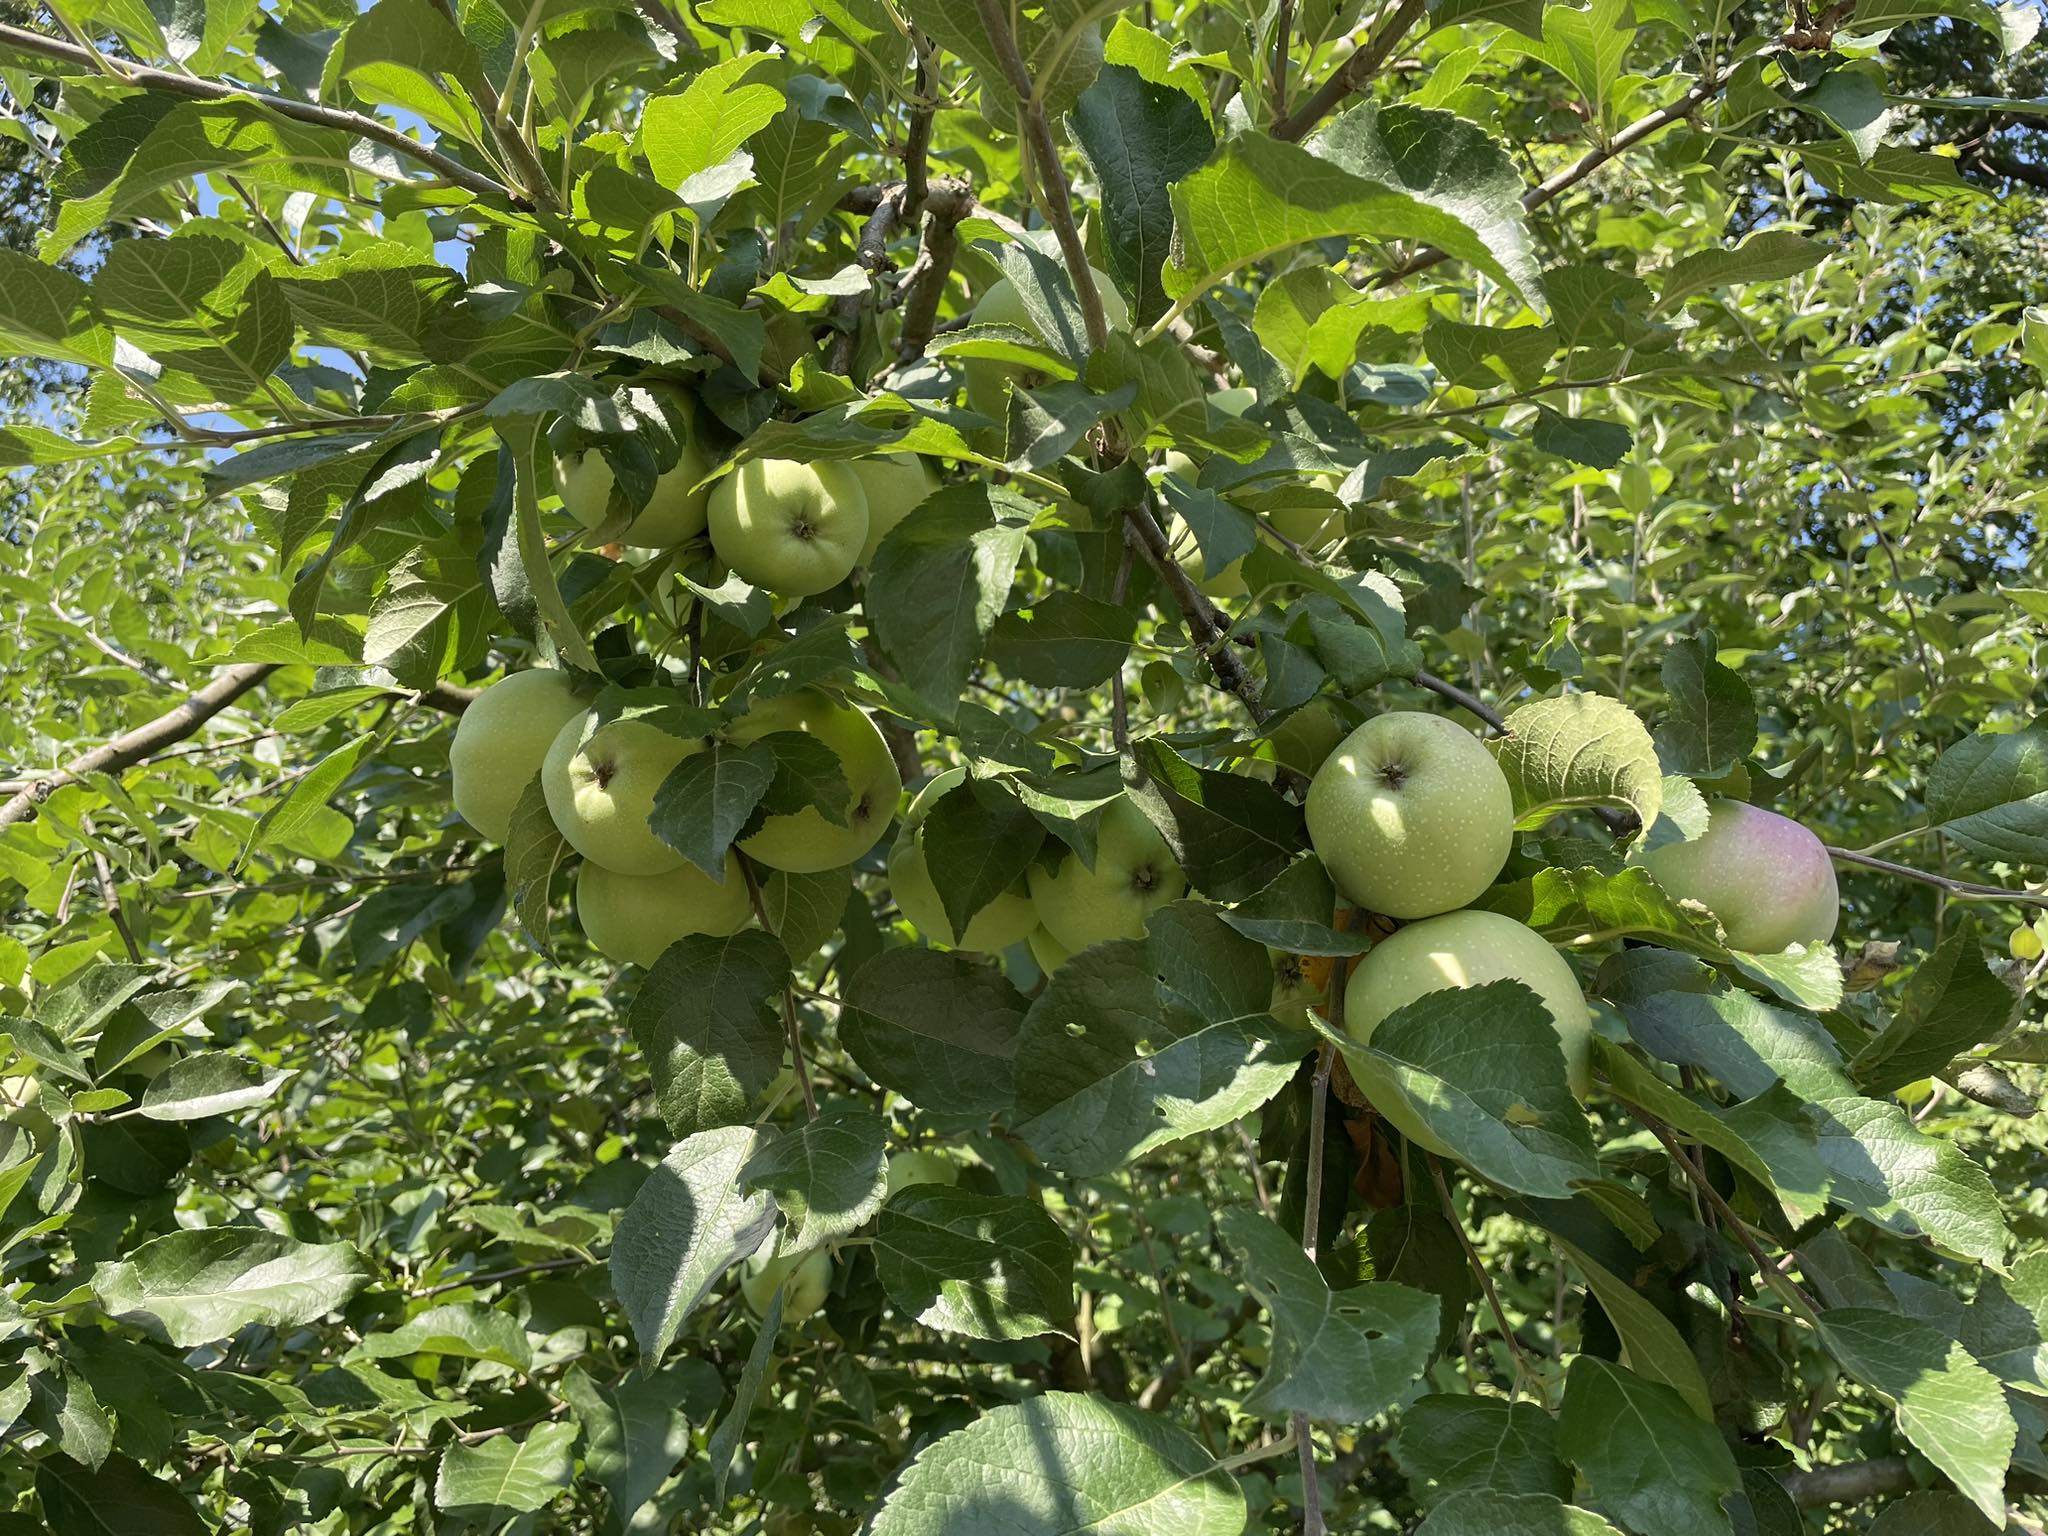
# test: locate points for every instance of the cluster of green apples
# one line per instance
(790, 528)
(1414, 820)
(636, 895)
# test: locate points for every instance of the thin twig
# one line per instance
(1120, 708)
(1356, 71)
(1495, 721)
(491, 1277)
(789, 1019)
(38, 45)
(1772, 1275)
(110, 895)
(1962, 889)
(1524, 1372)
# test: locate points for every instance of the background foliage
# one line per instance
(1670, 359)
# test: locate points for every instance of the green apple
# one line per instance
(1002, 304)
(809, 1274)
(500, 742)
(1134, 876)
(633, 918)
(895, 483)
(675, 509)
(1004, 921)
(920, 1167)
(790, 528)
(1411, 815)
(601, 792)
(1295, 993)
(804, 842)
(1048, 951)
(1768, 879)
(1468, 949)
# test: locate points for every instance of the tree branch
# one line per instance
(1202, 620)
(171, 726)
(1850, 1482)
(36, 45)
(1356, 71)
(1055, 197)
(924, 285)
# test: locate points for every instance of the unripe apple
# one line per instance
(1468, 949)
(810, 1281)
(1048, 951)
(676, 510)
(633, 918)
(1768, 879)
(895, 483)
(920, 1167)
(500, 742)
(1411, 815)
(1134, 876)
(1004, 921)
(601, 792)
(1002, 304)
(804, 842)
(1295, 990)
(790, 528)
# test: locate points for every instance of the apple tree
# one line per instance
(925, 767)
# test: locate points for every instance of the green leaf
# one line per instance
(1878, 15)
(1063, 640)
(2006, 1324)
(116, 1498)
(706, 1019)
(1890, 1173)
(1652, 1346)
(1741, 1040)
(1480, 1070)
(826, 1175)
(1044, 423)
(1260, 196)
(1293, 913)
(939, 581)
(379, 296)
(197, 1286)
(1582, 439)
(1346, 1355)
(1952, 1003)
(936, 1026)
(978, 840)
(1229, 833)
(507, 1474)
(707, 797)
(687, 1226)
(1140, 137)
(633, 1436)
(1485, 356)
(1769, 255)
(1990, 793)
(46, 311)
(988, 1266)
(1464, 1447)
(1644, 1453)
(458, 1330)
(1064, 1464)
(1480, 1513)
(1949, 1407)
(709, 119)
(725, 1440)
(534, 850)
(308, 796)
(1710, 724)
(1932, 1514)
(1139, 1042)
(212, 1083)
(1580, 750)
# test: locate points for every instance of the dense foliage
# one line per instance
(1651, 389)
